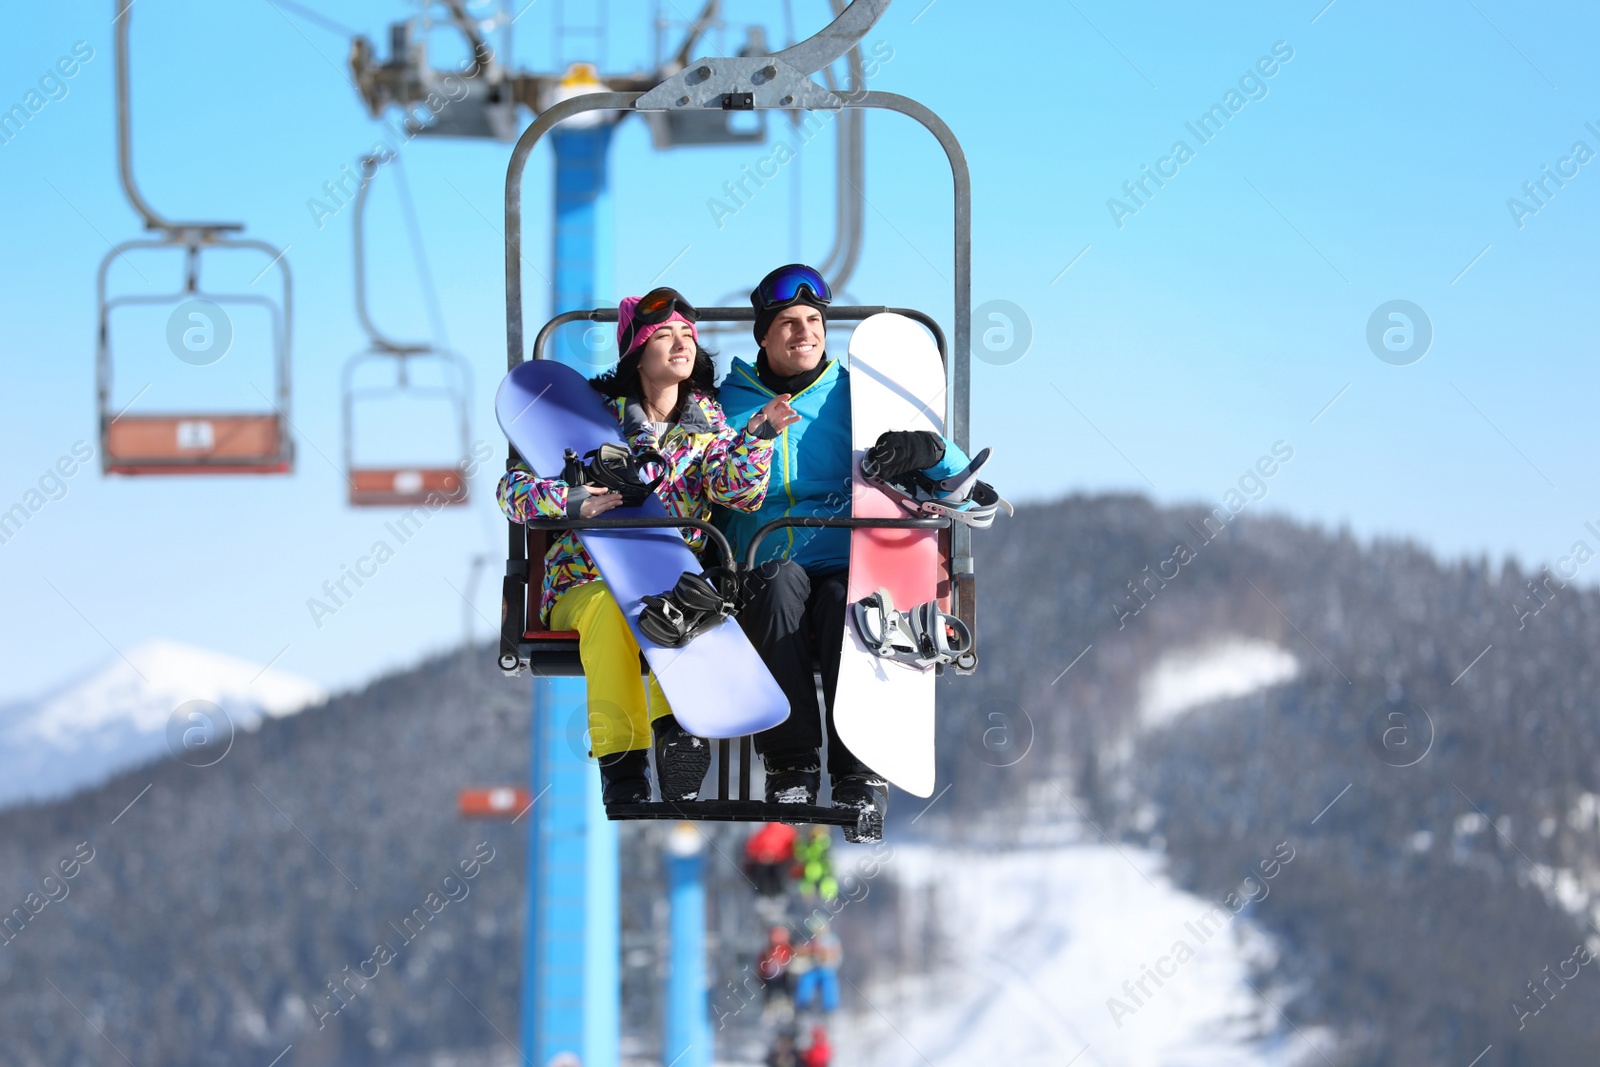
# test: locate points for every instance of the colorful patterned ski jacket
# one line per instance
(709, 462)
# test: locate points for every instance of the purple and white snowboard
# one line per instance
(716, 684)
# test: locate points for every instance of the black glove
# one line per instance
(903, 451)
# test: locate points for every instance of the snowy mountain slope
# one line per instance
(1041, 941)
(116, 719)
(1189, 678)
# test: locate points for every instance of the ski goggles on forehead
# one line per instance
(658, 305)
(655, 308)
(783, 286)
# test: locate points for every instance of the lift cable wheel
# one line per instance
(254, 442)
(396, 485)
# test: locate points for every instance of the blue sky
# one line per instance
(1169, 353)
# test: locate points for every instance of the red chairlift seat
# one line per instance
(406, 486)
(195, 444)
(494, 802)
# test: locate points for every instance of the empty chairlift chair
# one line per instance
(393, 484)
(388, 483)
(197, 440)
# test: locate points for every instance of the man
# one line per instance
(795, 602)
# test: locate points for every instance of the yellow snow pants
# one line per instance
(621, 706)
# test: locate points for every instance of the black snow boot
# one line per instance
(793, 779)
(868, 794)
(682, 760)
(625, 777)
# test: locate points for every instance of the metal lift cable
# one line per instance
(313, 17)
(419, 254)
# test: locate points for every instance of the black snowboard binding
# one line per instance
(690, 608)
(923, 637)
(613, 467)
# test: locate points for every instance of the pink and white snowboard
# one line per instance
(883, 709)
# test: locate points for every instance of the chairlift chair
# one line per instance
(214, 442)
(780, 82)
(402, 485)
(395, 485)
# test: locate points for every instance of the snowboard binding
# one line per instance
(691, 607)
(960, 497)
(922, 637)
(615, 468)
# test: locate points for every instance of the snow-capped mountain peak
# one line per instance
(116, 718)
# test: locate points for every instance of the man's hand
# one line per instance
(601, 500)
(903, 451)
(775, 413)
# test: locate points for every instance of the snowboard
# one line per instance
(716, 684)
(883, 709)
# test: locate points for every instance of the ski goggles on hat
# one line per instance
(783, 286)
(654, 308)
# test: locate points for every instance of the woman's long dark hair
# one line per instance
(623, 379)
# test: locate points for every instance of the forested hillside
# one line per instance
(1444, 818)
(1440, 801)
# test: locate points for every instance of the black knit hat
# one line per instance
(767, 311)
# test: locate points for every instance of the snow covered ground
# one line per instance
(1039, 943)
(118, 718)
(1192, 677)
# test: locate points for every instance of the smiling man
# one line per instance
(795, 605)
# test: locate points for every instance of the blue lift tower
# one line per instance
(571, 967)
(571, 976)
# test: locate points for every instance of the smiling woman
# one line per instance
(663, 396)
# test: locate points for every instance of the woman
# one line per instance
(663, 396)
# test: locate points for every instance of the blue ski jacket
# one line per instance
(811, 468)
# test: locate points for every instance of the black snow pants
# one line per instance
(795, 618)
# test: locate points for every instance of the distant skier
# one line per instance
(795, 607)
(819, 1053)
(782, 1053)
(817, 966)
(662, 394)
(769, 852)
(773, 966)
(813, 856)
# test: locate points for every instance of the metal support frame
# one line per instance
(689, 90)
(850, 188)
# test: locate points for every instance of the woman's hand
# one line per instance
(601, 500)
(777, 412)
